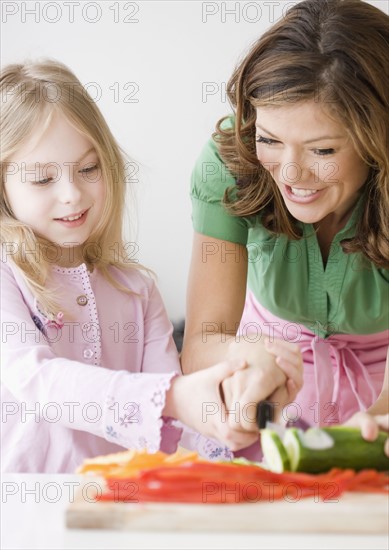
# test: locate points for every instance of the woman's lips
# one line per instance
(302, 199)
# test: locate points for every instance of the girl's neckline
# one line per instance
(82, 268)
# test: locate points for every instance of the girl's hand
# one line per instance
(370, 425)
(245, 389)
(196, 401)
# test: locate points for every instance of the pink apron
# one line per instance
(343, 373)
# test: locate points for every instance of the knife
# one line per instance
(265, 414)
(265, 418)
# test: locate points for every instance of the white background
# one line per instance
(178, 55)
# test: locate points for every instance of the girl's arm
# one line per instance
(120, 406)
(196, 401)
(129, 409)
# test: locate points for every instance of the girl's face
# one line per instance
(312, 161)
(54, 184)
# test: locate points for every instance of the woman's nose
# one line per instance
(293, 169)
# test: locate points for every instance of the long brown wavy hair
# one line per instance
(336, 53)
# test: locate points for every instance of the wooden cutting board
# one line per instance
(350, 513)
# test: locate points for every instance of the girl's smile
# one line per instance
(74, 220)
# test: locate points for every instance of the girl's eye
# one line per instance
(89, 169)
(44, 181)
(267, 141)
(322, 152)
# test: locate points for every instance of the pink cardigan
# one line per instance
(90, 383)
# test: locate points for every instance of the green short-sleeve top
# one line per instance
(349, 296)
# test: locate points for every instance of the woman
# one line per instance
(292, 195)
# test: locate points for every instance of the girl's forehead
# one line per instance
(58, 141)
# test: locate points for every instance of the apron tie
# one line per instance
(327, 377)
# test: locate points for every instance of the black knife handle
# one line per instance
(265, 413)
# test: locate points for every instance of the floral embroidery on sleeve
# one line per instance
(212, 450)
(111, 432)
(139, 423)
(133, 416)
(158, 398)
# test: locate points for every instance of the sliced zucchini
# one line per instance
(276, 457)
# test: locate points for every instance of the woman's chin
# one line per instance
(305, 217)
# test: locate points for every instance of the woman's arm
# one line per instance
(215, 300)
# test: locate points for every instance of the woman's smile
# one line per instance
(311, 159)
(301, 196)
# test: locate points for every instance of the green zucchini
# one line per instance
(320, 449)
(275, 454)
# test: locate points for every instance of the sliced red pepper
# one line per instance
(210, 482)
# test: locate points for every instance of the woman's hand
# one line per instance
(196, 401)
(290, 360)
(275, 373)
(370, 425)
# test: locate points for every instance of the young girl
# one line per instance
(299, 193)
(88, 362)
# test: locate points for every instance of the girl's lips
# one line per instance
(300, 199)
(73, 223)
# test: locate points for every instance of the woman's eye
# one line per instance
(89, 169)
(267, 141)
(323, 152)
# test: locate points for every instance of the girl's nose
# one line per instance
(69, 190)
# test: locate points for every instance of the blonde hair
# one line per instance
(334, 52)
(31, 93)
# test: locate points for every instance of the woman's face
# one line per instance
(312, 161)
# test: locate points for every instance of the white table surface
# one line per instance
(33, 517)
